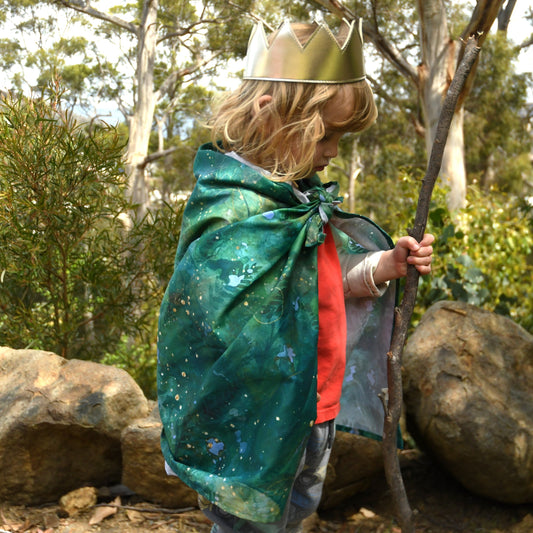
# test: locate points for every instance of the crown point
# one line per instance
(306, 53)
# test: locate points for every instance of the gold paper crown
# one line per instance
(320, 60)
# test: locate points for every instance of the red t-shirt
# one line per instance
(331, 330)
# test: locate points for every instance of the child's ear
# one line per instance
(261, 102)
(264, 100)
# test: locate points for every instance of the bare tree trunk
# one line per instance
(453, 170)
(439, 58)
(504, 15)
(355, 170)
(142, 118)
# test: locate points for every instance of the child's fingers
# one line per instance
(419, 260)
(409, 243)
(428, 238)
(423, 248)
(421, 263)
(423, 269)
(423, 251)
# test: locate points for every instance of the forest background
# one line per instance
(91, 200)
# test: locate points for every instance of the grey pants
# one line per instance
(305, 495)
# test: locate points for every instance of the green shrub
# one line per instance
(483, 253)
(61, 252)
(74, 278)
(156, 238)
(483, 256)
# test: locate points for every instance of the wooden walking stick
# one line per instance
(392, 400)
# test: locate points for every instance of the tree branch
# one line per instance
(394, 56)
(526, 44)
(156, 155)
(337, 8)
(171, 80)
(504, 15)
(161, 510)
(83, 7)
(251, 16)
(394, 395)
(187, 30)
(480, 24)
(371, 32)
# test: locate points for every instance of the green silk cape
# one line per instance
(238, 329)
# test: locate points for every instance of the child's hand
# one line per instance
(393, 263)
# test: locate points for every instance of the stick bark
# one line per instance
(394, 397)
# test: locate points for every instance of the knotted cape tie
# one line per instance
(323, 201)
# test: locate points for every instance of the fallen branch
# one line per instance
(393, 399)
(147, 509)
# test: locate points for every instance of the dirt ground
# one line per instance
(439, 503)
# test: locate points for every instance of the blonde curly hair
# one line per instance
(281, 137)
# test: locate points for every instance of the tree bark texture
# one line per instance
(353, 172)
(439, 56)
(142, 119)
(393, 403)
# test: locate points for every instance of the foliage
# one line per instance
(49, 53)
(497, 126)
(485, 256)
(483, 253)
(156, 239)
(73, 279)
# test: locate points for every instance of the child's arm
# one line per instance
(368, 274)
(393, 263)
(358, 275)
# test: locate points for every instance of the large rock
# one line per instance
(355, 463)
(60, 424)
(144, 466)
(468, 385)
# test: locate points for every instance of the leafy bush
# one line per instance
(74, 278)
(484, 256)
(157, 236)
(483, 253)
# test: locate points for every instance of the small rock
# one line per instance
(367, 513)
(355, 464)
(51, 520)
(78, 500)
(144, 467)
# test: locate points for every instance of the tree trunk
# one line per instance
(355, 170)
(439, 59)
(453, 170)
(142, 118)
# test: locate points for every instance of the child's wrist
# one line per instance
(386, 269)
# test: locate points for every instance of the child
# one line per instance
(280, 302)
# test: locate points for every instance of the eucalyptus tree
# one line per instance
(171, 45)
(498, 122)
(171, 50)
(160, 48)
(418, 39)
